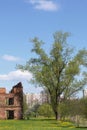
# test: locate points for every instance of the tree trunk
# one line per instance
(55, 100)
(57, 116)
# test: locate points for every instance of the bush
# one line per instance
(45, 110)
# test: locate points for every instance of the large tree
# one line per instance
(57, 70)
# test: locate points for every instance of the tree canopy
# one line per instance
(58, 70)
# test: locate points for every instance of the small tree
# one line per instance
(25, 106)
(57, 70)
(64, 109)
(45, 110)
(33, 111)
(83, 107)
(70, 108)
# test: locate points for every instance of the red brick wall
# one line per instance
(2, 90)
(17, 95)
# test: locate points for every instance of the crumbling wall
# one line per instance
(11, 105)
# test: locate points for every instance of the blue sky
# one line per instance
(21, 20)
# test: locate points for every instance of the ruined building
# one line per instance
(11, 104)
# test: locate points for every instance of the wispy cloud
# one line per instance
(16, 75)
(46, 5)
(10, 58)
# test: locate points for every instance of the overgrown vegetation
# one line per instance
(72, 110)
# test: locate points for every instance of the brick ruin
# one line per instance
(11, 104)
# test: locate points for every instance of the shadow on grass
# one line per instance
(41, 119)
(82, 127)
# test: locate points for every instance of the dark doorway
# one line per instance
(10, 114)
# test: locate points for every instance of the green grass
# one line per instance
(36, 124)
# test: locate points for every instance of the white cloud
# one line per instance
(47, 5)
(16, 75)
(10, 58)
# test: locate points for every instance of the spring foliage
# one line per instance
(57, 70)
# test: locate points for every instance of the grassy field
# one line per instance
(36, 124)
